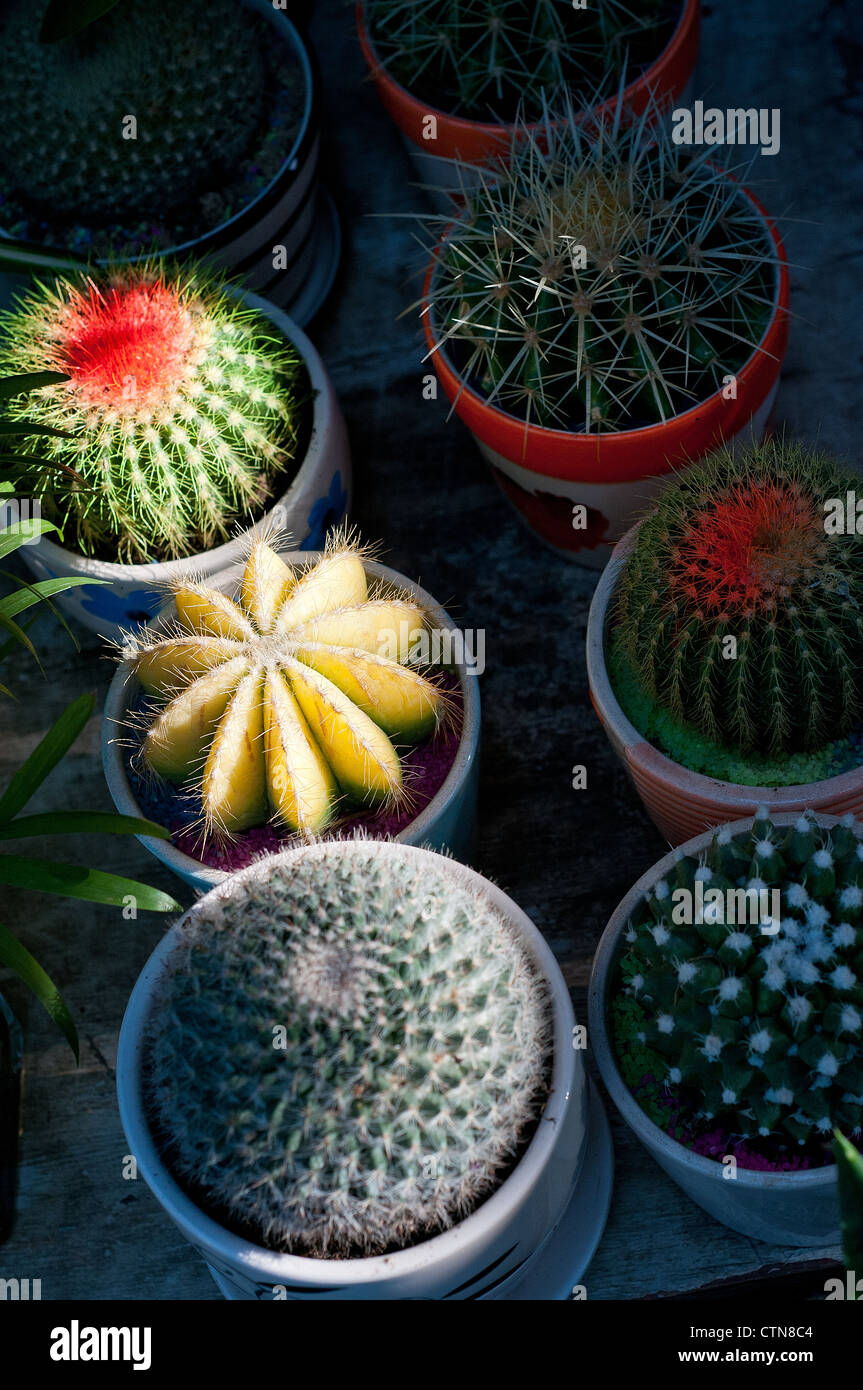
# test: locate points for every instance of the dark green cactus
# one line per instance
(411, 1068)
(191, 74)
(740, 612)
(758, 1014)
(482, 58)
(602, 279)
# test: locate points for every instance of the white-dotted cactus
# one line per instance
(760, 1022)
(347, 1052)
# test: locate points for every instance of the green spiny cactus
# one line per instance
(483, 58)
(741, 615)
(190, 73)
(761, 1029)
(180, 408)
(348, 1051)
(602, 279)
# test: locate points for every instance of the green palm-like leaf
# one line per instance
(22, 385)
(63, 18)
(45, 756)
(19, 959)
(80, 823)
(76, 881)
(29, 256)
(849, 1165)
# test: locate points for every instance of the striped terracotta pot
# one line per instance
(682, 803)
(547, 473)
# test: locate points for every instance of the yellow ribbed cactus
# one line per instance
(288, 697)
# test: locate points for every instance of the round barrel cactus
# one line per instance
(741, 609)
(745, 968)
(481, 58)
(133, 115)
(181, 407)
(602, 278)
(349, 1049)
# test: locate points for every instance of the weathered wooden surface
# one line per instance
(567, 857)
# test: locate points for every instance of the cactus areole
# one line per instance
(181, 411)
(347, 1052)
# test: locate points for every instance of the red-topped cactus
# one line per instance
(180, 406)
(740, 614)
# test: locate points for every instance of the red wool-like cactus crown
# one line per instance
(126, 347)
(750, 549)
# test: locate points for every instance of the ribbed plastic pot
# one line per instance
(682, 803)
(318, 497)
(795, 1208)
(435, 144)
(477, 1258)
(291, 212)
(447, 822)
(545, 473)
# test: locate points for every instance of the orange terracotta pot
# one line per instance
(682, 803)
(456, 137)
(546, 472)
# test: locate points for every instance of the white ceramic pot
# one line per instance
(483, 1255)
(448, 822)
(796, 1208)
(319, 496)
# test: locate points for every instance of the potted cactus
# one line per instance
(454, 74)
(725, 645)
(292, 697)
(726, 1018)
(348, 1072)
(185, 412)
(155, 127)
(606, 308)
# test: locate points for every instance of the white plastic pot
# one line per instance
(485, 1255)
(448, 822)
(319, 496)
(794, 1208)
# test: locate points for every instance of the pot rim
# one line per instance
(663, 769)
(280, 1267)
(154, 572)
(685, 32)
(124, 685)
(293, 35)
(576, 456)
(601, 978)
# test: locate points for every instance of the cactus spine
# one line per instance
(736, 548)
(482, 58)
(602, 278)
(348, 1050)
(190, 75)
(759, 1029)
(180, 408)
(283, 701)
